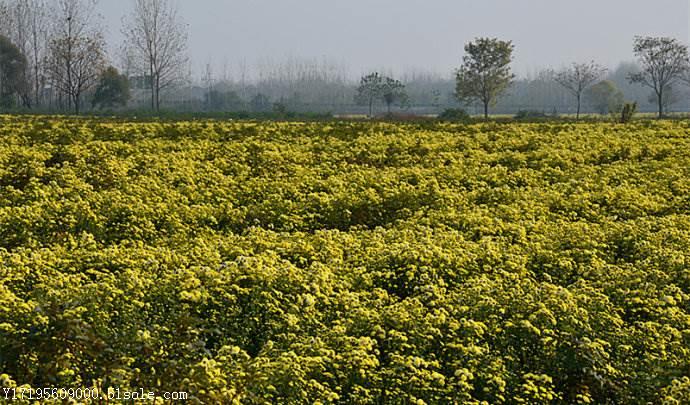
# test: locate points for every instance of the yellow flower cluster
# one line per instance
(349, 262)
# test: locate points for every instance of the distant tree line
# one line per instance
(53, 54)
(663, 63)
(53, 57)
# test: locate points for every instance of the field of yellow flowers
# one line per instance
(347, 262)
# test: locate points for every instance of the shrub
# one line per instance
(628, 111)
(454, 114)
(530, 114)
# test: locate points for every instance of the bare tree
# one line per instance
(664, 61)
(209, 83)
(14, 15)
(578, 77)
(37, 45)
(670, 97)
(76, 54)
(158, 37)
(127, 59)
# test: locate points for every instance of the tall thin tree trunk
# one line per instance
(37, 85)
(486, 110)
(660, 96)
(158, 94)
(577, 115)
(151, 85)
(153, 96)
(68, 63)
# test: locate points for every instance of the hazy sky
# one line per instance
(416, 34)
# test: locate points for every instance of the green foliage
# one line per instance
(374, 87)
(628, 112)
(370, 89)
(485, 73)
(530, 115)
(454, 114)
(677, 393)
(605, 97)
(347, 262)
(112, 89)
(13, 66)
(393, 91)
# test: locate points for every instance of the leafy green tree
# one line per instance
(663, 60)
(374, 87)
(12, 72)
(112, 89)
(578, 77)
(393, 91)
(485, 73)
(604, 97)
(370, 89)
